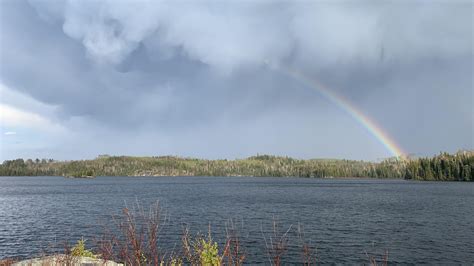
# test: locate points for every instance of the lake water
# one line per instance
(416, 222)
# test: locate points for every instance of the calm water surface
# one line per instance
(417, 222)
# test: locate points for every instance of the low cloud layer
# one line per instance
(188, 77)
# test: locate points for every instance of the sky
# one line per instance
(210, 79)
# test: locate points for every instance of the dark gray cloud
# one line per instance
(130, 68)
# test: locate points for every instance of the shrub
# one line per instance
(209, 252)
(79, 250)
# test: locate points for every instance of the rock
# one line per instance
(65, 260)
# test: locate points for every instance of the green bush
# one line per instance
(79, 250)
(209, 253)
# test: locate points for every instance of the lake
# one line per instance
(416, 222)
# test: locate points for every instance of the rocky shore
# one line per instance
(65, 260)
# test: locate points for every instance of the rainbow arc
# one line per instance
(363, 119)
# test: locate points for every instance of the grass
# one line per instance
(137, 232)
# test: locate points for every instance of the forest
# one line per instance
(442, 167)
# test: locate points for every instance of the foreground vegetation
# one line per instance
(445, 167)
(132, 237)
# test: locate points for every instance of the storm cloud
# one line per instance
(194, 78)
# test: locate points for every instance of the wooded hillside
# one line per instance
(456, 167)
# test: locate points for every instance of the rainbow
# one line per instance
(348, 107)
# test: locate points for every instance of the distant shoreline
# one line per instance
(236, 176)
(443, 167)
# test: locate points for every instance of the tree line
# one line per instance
(445, 167)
